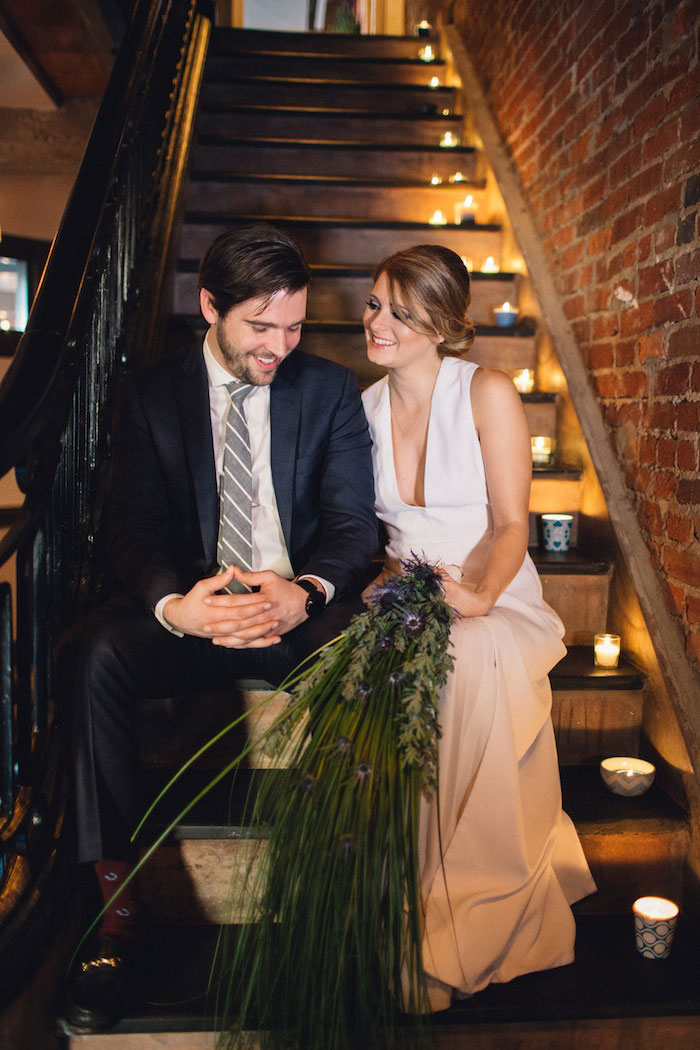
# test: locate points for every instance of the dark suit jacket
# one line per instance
(162, 517)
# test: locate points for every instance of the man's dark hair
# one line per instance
(252, 262)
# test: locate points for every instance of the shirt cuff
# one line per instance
(329, 588)
(158, 613)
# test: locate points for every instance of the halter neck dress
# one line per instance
(499, 904)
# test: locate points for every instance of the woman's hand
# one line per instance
(464, 598)
(371, 587)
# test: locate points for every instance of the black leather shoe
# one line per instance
(101, 985)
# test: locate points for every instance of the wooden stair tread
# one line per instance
(577, 671)
(219, 76)
(322, 112)
(609, 979)
(337, 145)
(575, 561)
(360, 270)
(343, 181)
(212, 218)
(334, 56)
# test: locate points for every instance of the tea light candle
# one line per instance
(448, 140)
(506, 315)
(457, 177)
(627, 776)
(424, 28)
(524, 380)
(489, 266)
(541, 448)
(465, 211)
(437, 218)
(445, 112)
(435, 180)
(426, 54)
(435, 82)
(607, 650)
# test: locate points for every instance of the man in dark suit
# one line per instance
(176, 627)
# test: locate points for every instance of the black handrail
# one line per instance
(99, 284)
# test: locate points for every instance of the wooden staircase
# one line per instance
(336, 140)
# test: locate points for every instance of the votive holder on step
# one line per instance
(628, 777)
(654, 926)
(606, 650)
(556, 532)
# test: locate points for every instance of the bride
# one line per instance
(501, 863)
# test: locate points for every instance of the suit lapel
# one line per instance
(285, 417)
(192, 395)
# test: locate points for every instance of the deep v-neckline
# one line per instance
(392, 458)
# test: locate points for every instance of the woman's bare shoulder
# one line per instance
(492, 388)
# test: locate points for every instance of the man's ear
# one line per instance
(206, 305)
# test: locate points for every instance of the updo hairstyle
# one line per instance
(433, 281)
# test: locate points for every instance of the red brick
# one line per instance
(629, 161)
(655, 279)
(686, 455)
(672, 379)
(689, 492)
(687, 158)
(615, 201)
(644, 248)
(575, 307)
(634, 384)
(665, 239)
(650, 517)
(666, 452)
(682, 565)
(647, 449)
(572, 255)
(688, 416)
(603, 326)
(649, 180)
(606, 384)
(690, 121)
(678, 528)
(675, 596)
(692, 648)
(629, 255)
(672, 308)
(661, 415)
(651, 345)
(630, 412)
(665, 485)
(684, 341)
(683, 91)
(661, 204)
(652, 114)
(693, 607)
(629, 223)
(600, 355)
(625, 353)
(688, 267)
(597, 299)
(638, 319)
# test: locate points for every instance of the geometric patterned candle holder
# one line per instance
(654, 926)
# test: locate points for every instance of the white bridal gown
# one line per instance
(513, 863)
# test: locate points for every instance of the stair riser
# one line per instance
(343, 298)
(582, 603)
(322, 69)
(590, 725)
(347, 245)
(320, 126)
(349, 349)
(344, 201)
(191, 881)
(232, 41)
(385, 98)
(555, 496)
(351, 162)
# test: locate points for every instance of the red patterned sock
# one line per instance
(122, 917)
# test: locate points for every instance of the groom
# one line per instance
(240, 515)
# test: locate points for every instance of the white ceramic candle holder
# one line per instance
(627, 776)
(556, 532)
(524, 380)
(654, 926)
(541, 448)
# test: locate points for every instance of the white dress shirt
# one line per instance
(269, 547)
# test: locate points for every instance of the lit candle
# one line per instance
(435, 82)
(465, 211)
(457, 177)
(445, 112)
(627, 776)
(541, 448)
(467, 262)
(437, 218)
(524, 380)
(607, 650)
(556, 532)
(654, 926)
(448, 140)
(426, 54)
(506, 315)
(424, 28)
(435, 180)
(489, 266)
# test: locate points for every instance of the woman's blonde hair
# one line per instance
(432, 280)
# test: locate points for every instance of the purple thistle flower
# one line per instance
(395, 679)
(413, 623)
(343, 744)
(362, 773)
(307, 785)
(347, 846)
(364, 691)
(385, 643)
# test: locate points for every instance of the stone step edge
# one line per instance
(216, 218)
(335, 145)
(343, 181)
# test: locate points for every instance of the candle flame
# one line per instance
(655, 908)
(437, 219)
(435, 82)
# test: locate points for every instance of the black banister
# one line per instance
(99, 284)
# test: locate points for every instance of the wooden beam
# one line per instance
(682, 681)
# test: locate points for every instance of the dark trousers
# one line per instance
(113, 663)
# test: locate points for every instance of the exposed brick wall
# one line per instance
(598, 102)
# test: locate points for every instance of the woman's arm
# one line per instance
(505, 447)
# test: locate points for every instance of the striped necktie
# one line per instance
(235, 542)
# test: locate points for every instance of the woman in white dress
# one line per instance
(452, 471)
